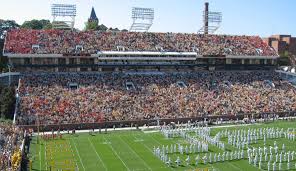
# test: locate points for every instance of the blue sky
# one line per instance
(248, 17)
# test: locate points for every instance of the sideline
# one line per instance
(154, 129)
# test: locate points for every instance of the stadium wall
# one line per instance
(153, 122)
(4, 78)
(88, 64)
(1, 47)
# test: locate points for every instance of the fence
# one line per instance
(17, 101)
(9, 78)
(289, 76)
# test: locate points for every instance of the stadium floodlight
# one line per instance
(63, 16)
(142, 19)
(211, 21)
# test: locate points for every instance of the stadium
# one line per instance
(111, 100)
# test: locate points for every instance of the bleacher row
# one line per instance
(121, 97)
(21, 41)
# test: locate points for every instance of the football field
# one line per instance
(134, 150)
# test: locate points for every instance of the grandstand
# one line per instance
(123, 100)
(74, 98)
(44, 50)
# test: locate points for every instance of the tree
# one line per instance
(7, 102)
(95, 26)
(91, 26)
(3, 64)
(3, 60)
(6, 25)
(37, 24)
(286, 59)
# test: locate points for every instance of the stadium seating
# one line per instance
(10, 141)
(22, 41)
(107, 97)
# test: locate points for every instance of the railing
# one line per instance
(17, 101)
(4, 46)
(146, 65)
(289, 76)
(152, 122)
(24, 151)
(8, 75)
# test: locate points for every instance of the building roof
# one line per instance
(93, 16)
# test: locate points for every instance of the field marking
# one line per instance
(234, 125)
(152, 152)
(176, 154)
(73, 155)
(173, 154)
(134, 153)
(234, 166)
(78, 154)
(45, 154)
(138, 140)
(97, 153)
(149, 132)
(40, 155)
(117, 154)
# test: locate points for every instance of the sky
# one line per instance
(240, 17)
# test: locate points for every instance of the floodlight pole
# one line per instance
(211, 21)
(206, 18)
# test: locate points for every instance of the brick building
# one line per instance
(282, 43)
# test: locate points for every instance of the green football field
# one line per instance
(133, 150)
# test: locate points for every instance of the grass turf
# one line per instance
(132, 150)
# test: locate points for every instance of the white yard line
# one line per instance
(45, 155)
(97, 154)
(73, 154)
(156, 128)
(151, 151)
(134, 153)
(228, 126)
(40, 166)
(151, 131)
(78, 154)
(161, 144)
(234, 165)
(117, 154)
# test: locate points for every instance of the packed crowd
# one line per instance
(20, 41)
(105, 97)
(10, 142)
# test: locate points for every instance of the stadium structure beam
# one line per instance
(211, 21)
(142, 19)
(63, 16)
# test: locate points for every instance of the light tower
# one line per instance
(142, 19)
(211, 21)
(63, 16)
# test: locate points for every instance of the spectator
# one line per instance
(20, 41)
(104, 97)
(10, 142)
